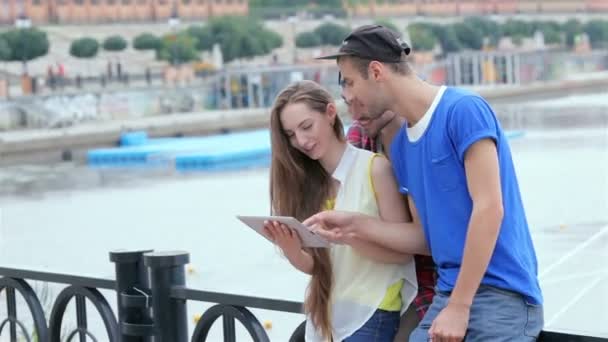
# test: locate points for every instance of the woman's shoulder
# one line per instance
(362, 153)
(380, 166)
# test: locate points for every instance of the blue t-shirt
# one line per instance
(431, 171)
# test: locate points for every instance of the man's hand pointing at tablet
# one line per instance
(335, 226)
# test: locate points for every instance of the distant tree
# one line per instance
(270, 40)
(114, 44)
(513, 27)
(422, 37)
(572, 28)
(597, 30)
(26, 45)
(307, 40)
(203, 36)
(488, 28)
(146, 41)
(5, 50)
(177, 48)
(447, 38)
(388, 24)
(84, 48)
(332, 34)
(552, 31)
(467, 35)
(238, 37)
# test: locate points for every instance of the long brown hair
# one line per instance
(299, 187)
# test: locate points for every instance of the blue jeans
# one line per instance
(496, 315)
(381, 327)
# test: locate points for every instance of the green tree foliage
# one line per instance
(177, 48)
(84, 48)
(572, 28)
(488, 28)
(552, 31)
(146, 41)
(5, 50)
(26, 44)
(307, 40)
(467, 35)
(447, 38)
(513, 27)
(473, 31)
(114, 44)
(271, 40)
(388, 24)
(203, 36)
(597, 30)
(332, 34)
(238, 37)
(422, 37)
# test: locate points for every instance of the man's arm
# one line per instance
(391, 231)
(483, 181)
(404, 237)
(339, 226)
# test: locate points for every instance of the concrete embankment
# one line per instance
(72, 142)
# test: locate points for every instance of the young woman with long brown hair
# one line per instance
(358, 289)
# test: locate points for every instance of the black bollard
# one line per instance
(133, 296)
(170, 315)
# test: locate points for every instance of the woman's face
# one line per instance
(309, 131)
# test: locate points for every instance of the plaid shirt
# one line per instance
(426, 272)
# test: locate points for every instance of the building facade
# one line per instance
(476, 7)
(104, 11)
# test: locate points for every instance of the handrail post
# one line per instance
(133, 296)
(170, 315)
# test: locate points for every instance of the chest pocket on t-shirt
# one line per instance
(447, 171)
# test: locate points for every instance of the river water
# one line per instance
(66, 218)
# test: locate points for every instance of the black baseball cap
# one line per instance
(374, 42)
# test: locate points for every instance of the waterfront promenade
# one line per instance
(72, 142)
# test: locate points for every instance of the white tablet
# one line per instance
(309, 238)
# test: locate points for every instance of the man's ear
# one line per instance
(375, 70)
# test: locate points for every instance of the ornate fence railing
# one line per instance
(151, 297)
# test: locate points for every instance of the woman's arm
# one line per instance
(395, 234)
(289, 242)
(392, 208)
(302, 260)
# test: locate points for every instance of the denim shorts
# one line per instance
(381, 327)
(496, 315)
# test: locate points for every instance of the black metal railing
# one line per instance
(151, 297)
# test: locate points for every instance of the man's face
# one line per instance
(362, 96)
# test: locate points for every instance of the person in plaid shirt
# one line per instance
(376, 136)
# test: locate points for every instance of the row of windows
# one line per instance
(467, 1)
(140, 2)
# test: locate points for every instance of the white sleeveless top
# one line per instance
(360, 284)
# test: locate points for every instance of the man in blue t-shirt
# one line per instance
(453, 160)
